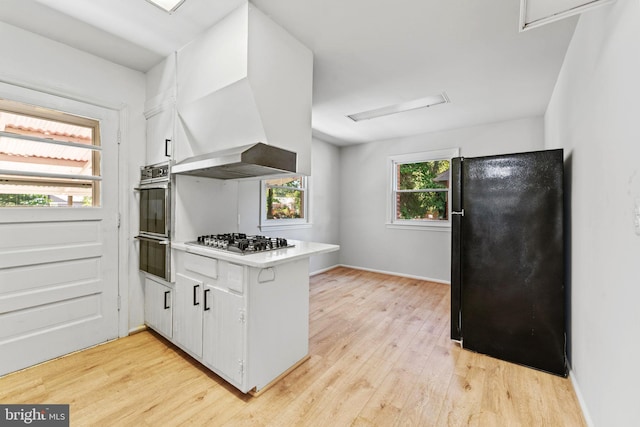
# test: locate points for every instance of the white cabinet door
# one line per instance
(187, 322)
(160, 136)
(157, 307)
(224, 332)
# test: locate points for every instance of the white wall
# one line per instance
(594, 115)
(204, 206)
(323, 204)
(38, 63)
(366, 240)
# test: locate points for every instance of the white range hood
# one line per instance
(239, 162)
(243, 82)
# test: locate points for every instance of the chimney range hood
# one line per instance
(244, 81)
(253, 160)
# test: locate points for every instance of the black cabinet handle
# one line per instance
(195, 295)
(166, 304)
(166, 148)
(206, 307)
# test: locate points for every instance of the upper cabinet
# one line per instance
(160, 111)
(160, 131)
(245, 80)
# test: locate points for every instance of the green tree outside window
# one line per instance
(422, 190)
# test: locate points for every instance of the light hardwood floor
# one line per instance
(380, 356)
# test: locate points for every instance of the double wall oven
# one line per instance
(155, 220)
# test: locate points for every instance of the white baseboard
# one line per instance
(137, 329)
(581, 401)
(393, 273)
(313, 273)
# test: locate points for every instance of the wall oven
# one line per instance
(155, 220)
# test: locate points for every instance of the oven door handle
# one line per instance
(162, 184)
(150, 239)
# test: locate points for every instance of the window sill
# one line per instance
(420, 226)
(280, 227)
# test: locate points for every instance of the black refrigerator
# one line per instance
(507, 258)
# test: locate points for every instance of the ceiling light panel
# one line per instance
(167, 5)
(428, 101)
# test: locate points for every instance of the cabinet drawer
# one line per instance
(202, 265)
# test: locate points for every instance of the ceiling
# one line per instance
(367, 53)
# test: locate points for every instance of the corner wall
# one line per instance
(594, 115)
(324, 205)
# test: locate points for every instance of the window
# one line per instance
(47, 157)
(420, 188)
(284, 202)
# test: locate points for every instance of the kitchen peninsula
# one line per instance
(245, 317)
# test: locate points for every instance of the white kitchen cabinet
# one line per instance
(187, 321)
(210, 313)
(158, 310)
(248, 324)
(224, 333)
(209, 321)
(160, 136)
(160, 110)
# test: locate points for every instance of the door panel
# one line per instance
(187, 315)
(59, 266)
(28, 286)
(224, 333)
(159, 130)
(158, 307)
(60, 298)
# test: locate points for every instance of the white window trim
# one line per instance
(414, 224)
(41, 109)
(285, 224)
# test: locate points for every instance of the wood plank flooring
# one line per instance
(380, 356)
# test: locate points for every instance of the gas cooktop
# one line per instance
(241, 243)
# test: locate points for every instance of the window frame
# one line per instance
(419, 157)
(284, 223)
(70, 180)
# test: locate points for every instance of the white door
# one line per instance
(59, 266)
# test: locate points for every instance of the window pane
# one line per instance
(38, 173)
(284, 203)
(24, 200)
(21, 124)
(429, 205)
(292, 181)
(40, 157)
(423, 175)
(14, 200)
(40, 191)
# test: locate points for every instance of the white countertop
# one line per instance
(265, 259)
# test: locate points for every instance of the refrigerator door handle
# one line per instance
(458, 213)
